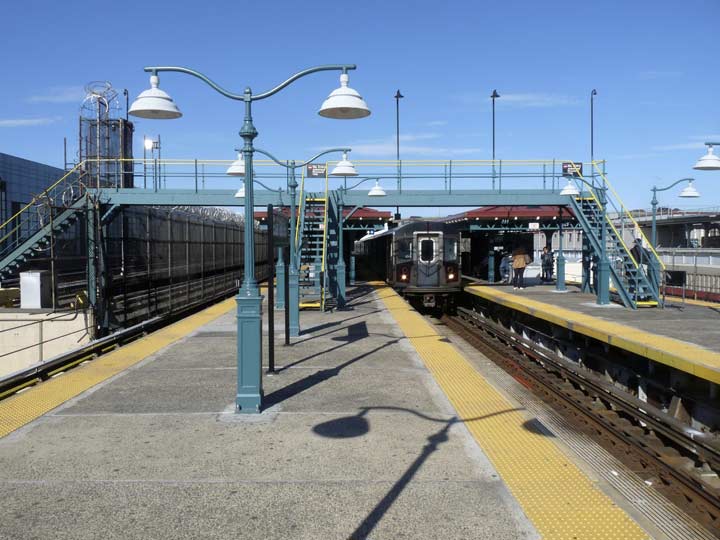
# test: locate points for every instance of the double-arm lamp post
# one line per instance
(343, 168)
(342, 103)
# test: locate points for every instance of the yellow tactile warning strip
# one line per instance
(681, 355)
(561, 502)
(692, 302)
(21, 409)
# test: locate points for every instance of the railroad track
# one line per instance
(680, 462)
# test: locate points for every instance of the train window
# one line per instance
(451, 246)
(403, 248)
(427, 250)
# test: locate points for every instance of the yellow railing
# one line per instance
(628, 214)
(37, 198)
(324, 246)
(300, 211)
(607, 218)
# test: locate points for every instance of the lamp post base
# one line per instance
(294, 300)
(560, 280)
(603, 283)
(249, 351)
(341, 272)
(280, 281)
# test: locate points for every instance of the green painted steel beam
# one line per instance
(522, 227)
(414, 198)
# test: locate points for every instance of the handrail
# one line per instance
(607, 218)
(628, 214)
(37, 198)
(325, 239)
(301, 210)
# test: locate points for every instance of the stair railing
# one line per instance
(300, 219)
(28, 215)
(626, 213)
(614, 251)
(323, 263)
(588, 187)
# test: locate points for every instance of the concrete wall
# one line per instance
(29, 336)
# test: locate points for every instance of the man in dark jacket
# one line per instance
(547, 264)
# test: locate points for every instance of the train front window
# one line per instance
(451, 249)
(427, 250)
(403, 250)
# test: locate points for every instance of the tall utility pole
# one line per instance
(398, 97)
(494, 96)
(592, 125)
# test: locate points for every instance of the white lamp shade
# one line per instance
(376, 190)
(237, 168)
(570, 189)
(344, 103)
(344, 168)
(709, 162)
(240, 193)
(689, 191)
(154, 103)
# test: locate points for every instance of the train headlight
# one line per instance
(403, 277)
(451, 276)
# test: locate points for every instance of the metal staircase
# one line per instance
(30, 232)
(317, 247)
(631, 275)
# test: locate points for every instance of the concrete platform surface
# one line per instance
(684, 321)
(358, 442)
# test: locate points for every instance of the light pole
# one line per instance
(342, 103)
(688, 192)
(603, 271)
(494, 96)
(344, 169)
(149, 144)
(592, 132)
(398, 97)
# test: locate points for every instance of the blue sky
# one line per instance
(653, 63)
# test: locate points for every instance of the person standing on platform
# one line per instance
(505, 268)
(520, 260)
(547, 264)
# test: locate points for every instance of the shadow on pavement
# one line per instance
(357, 425)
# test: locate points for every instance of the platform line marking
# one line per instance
(21, 409)
(558, 498)
(681, 355)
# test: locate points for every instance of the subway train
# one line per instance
(419, 259)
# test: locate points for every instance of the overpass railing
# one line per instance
(440, 175)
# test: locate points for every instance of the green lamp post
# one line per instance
(343, 103)
(688, 191)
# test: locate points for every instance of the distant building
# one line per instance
(20, 180)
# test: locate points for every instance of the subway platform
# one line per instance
(377, 425)
(683, 335)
